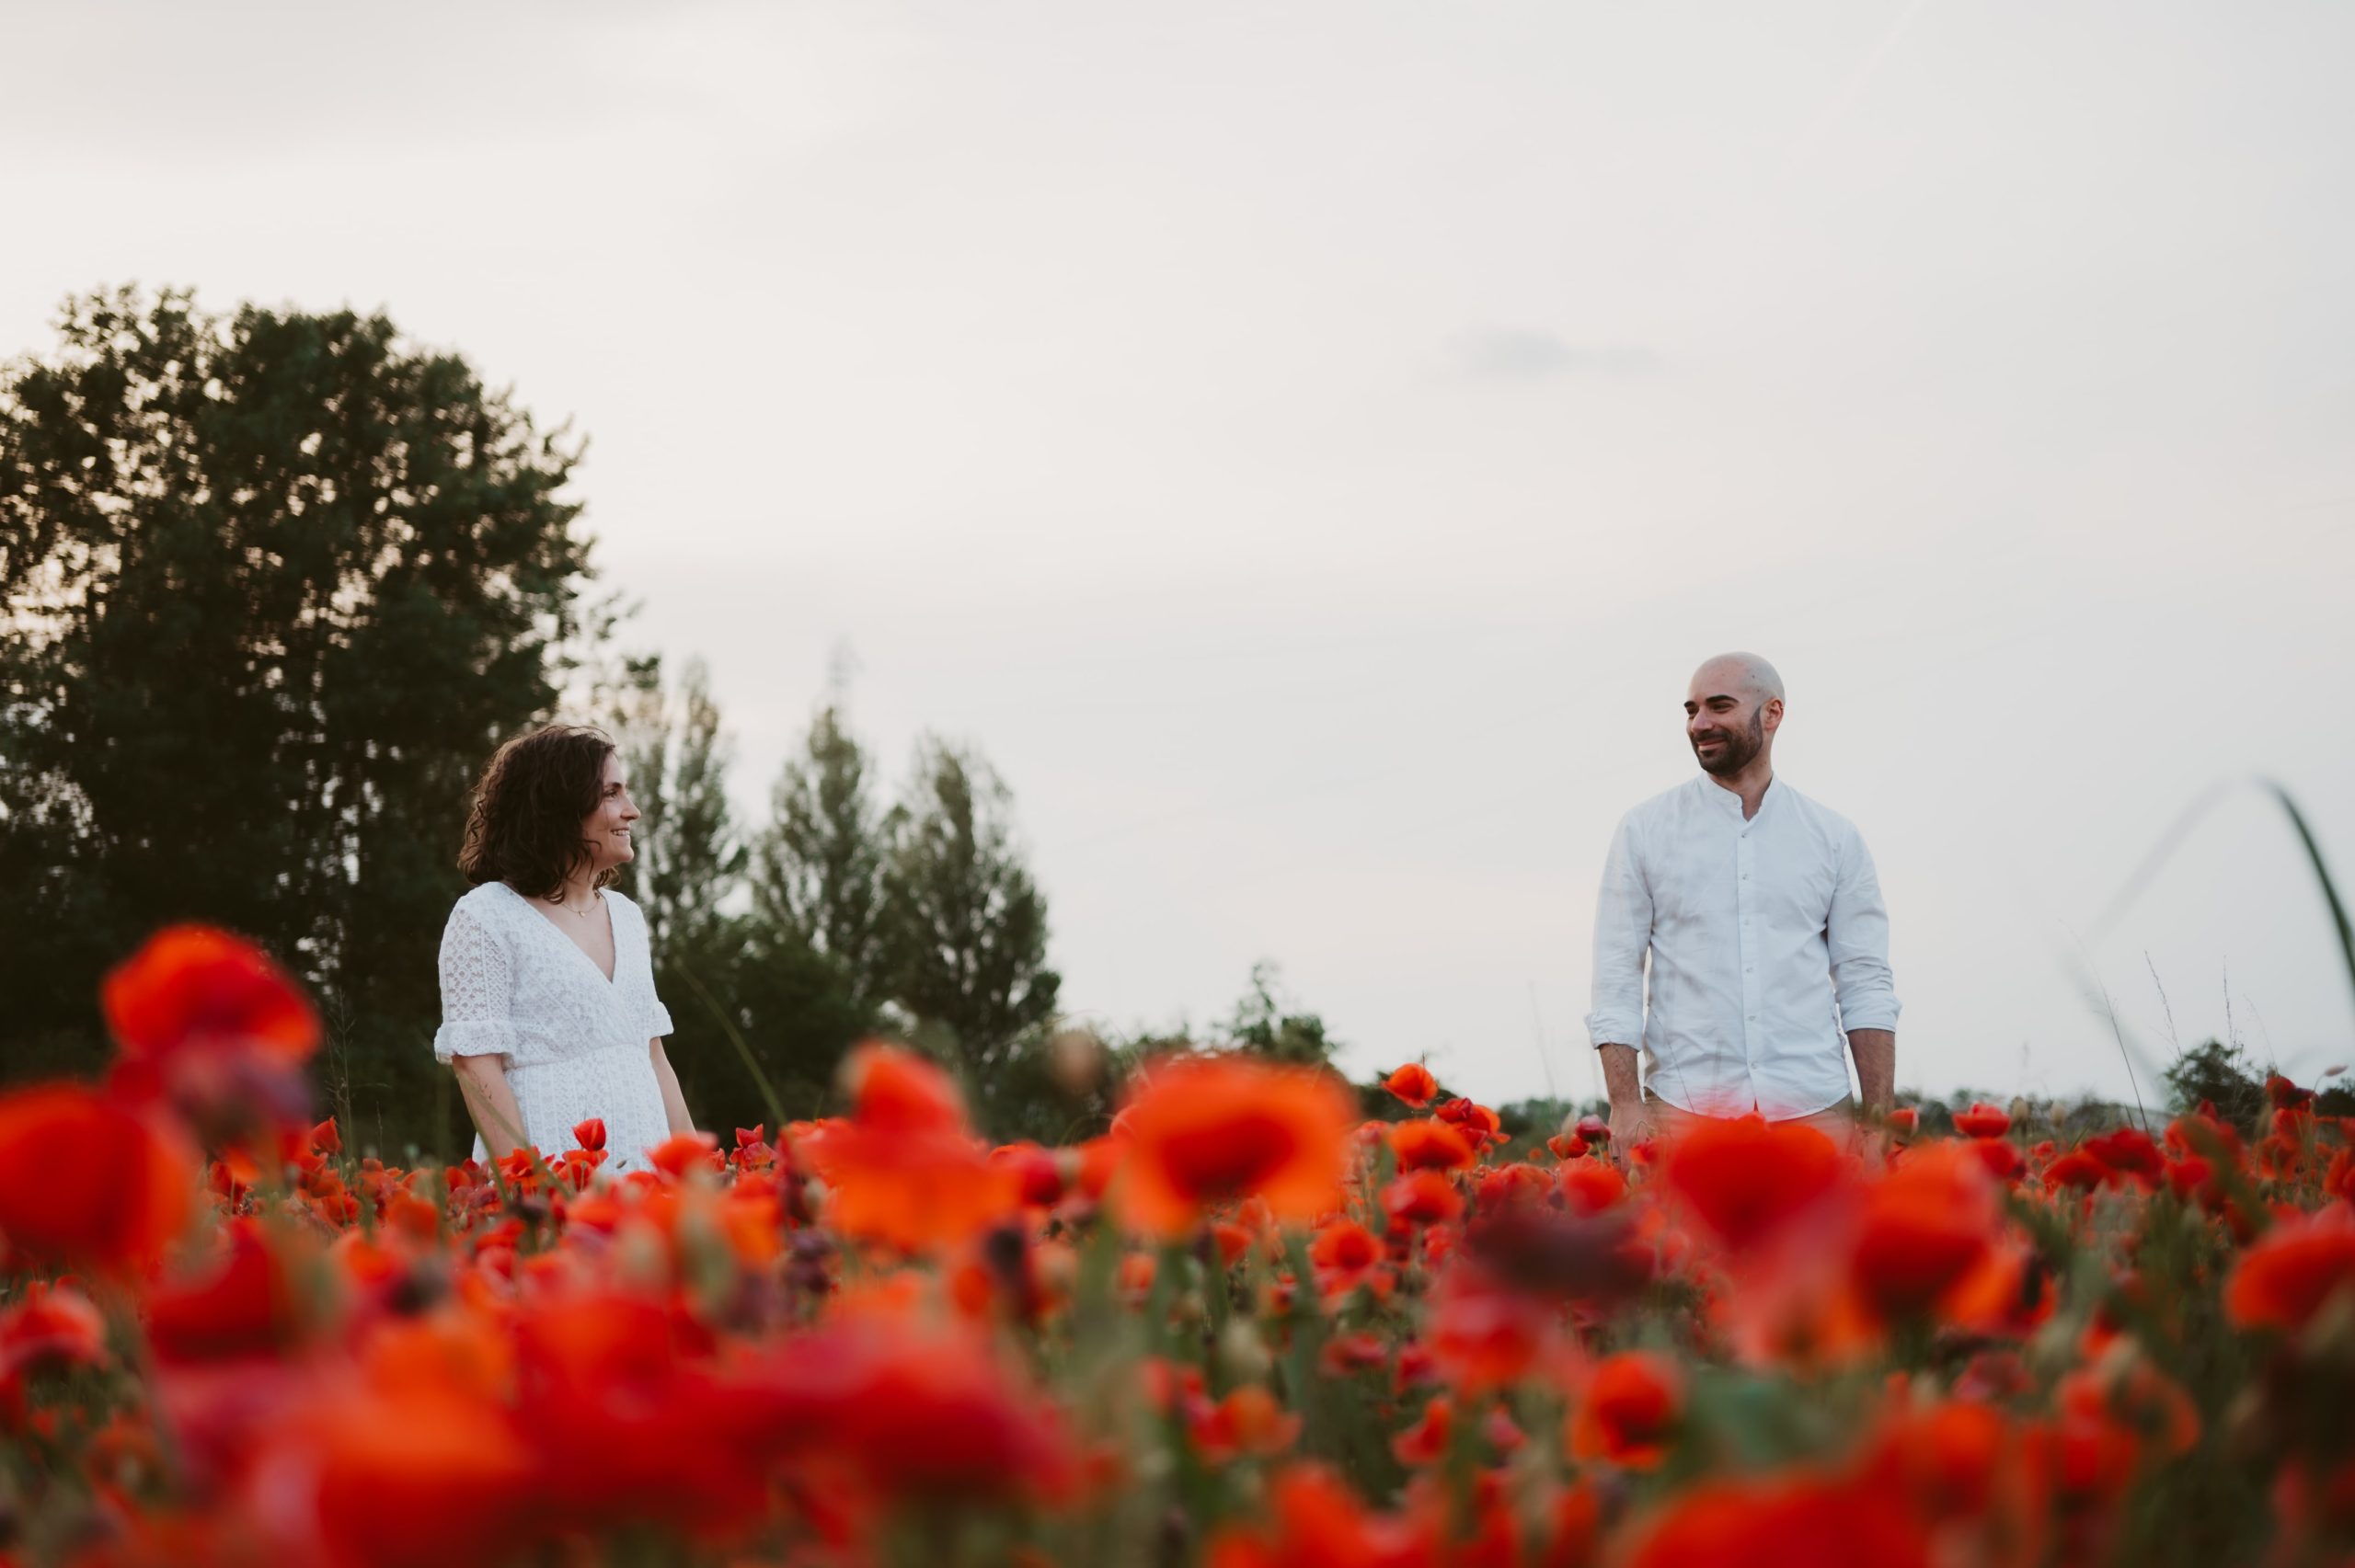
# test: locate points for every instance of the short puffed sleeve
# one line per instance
(477, 991)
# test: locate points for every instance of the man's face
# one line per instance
(1726, 730)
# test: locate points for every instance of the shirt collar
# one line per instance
(1729, 802)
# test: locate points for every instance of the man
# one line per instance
(1764, 922)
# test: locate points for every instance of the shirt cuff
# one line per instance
(657, 1022)
(1603, 1030)
(476, 1037)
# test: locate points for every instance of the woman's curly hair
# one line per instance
(524, 826)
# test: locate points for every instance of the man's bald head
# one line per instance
(1743, 674)
(1731, 712)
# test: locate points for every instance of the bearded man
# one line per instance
(1762, 917)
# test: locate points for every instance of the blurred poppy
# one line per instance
(1925, 1227)
(209, 1021)
(1982, 1120)
(85, 1182)
(1412, 1083)
(1429, 1144)
(1201, 1131)
(2284, 1280)
(1422, 1198)
(1746, 1177)
(1627, 1410)
(903, 1169)
(1782, 1523)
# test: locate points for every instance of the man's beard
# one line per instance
(1739, 748)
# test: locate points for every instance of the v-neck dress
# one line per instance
(513, 985)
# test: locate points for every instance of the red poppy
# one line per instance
(1982, 1120)
(1627, 1410)
(1479, 1124)
(1429, 1144)
(1778, 1522)
(85, 1182)
(242, 1304)
(1590, 1186)
(1422, 1198)
(892, 1090)
(1344, 1253)
(1205, 1130)
(1413, 1084)
(2284, 1280)
(903, 1169)
(1746, 1178)
(207, 1019)
(589, 1134)
(1925, 1228)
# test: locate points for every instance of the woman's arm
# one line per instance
(490, 1100)
(674, 1103)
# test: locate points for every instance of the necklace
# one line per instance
(595, 899)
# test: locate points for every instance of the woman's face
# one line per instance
(606, 829)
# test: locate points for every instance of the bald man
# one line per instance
(1763, 922)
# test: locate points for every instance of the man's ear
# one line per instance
(1773, 713)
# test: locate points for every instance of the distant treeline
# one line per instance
(277, 585)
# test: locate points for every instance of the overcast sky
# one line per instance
(1307, 447)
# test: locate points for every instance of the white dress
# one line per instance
(576, 1043)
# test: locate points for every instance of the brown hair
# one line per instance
(524, 826)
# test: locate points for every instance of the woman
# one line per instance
(549, 1009)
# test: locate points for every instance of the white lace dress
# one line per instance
(513, 985)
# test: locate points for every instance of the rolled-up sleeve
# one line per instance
(1856, 933)
(477, 992)
(1622, 934)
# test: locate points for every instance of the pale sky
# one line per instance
(1307, 447)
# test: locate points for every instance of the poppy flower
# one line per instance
(589, 1134)
(49, 1326)
(85, 1182)
(1982, 1120)
(1778, 1522)
(1343, 1253)
(891, 1090)
(1477, 1122)
(242, 1304)
(2284, 1280)
(1430, 1144)
(1627, 1410)
(210, 1021)
(1925, 1228)
(1422, 1198)
(420, 1477)
(1413, 1084)
(1590, 1186)
(1201, 1131)
(903, 1169)
(1747, 1177)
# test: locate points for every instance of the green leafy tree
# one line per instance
(2220, 1073)
(688, 860)
(1265, 1024)
(966, 926)
(277, 583)
(817, 870)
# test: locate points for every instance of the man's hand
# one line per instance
(1631, 1123)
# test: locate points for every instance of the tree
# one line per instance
(817, 870)
(277, 584)
(688, 860)
(965, 926)
(1263, 1025)
(2220, 1074)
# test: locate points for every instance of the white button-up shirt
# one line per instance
(1768, 940)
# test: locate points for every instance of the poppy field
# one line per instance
(1243, 1327)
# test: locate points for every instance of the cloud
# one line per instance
(1514, 353)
